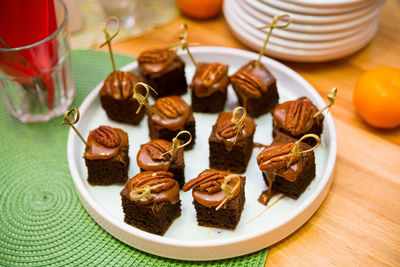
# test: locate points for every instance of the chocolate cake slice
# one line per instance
(255, 88)
(164, 71)
(209, 87)
(116, 97)
(214, 206)
(290, 180)
(296, 118)
(177, 116)
(150, 201)
(157, 155)
(230, 150)
(106, 156)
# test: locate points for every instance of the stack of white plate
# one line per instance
(320, 30)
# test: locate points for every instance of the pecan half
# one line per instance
(227, 129)
(164, 179)
(299, 116)
(212, 73)
(208, 180)
(156, 56)
(157, 149)
(169, 107)
(107, 136)
(276, 157)
(248, 84)
(121, 84)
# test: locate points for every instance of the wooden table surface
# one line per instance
(359, 221)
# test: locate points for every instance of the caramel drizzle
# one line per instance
(273, 25)
(142, 100)
(213, 181)
(153, 182)
(176, 144)
(74, 119)
(331, 98)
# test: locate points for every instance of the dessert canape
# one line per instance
(174, 116)
(218, 197)
(150, 201)
(254, 85)
(117, 90)
(299, 117)
(106, 156)
(288, 166)
(209, 87)
(164, 71)
(116, 97)
(161, 155)
(231, 141)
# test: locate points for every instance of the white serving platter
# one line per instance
(259, 226)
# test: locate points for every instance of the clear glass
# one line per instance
(124, 10)
(42, 87)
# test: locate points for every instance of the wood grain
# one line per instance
(359, 221)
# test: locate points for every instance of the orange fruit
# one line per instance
(200, 9)
(376, 97)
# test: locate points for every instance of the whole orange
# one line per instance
(376, 97)
(200, 9)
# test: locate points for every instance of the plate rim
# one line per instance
(311, 202)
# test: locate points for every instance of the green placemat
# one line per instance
(42, 221)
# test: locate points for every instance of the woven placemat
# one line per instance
(42, 221)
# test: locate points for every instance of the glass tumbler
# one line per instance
(36, 82)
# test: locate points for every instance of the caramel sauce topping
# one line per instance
(175, 110)
(163, 187)
(96, 148)
(119, 84)
(156, 60)
(207, 187)
(152, 156)
(209, 78)
(226, 129)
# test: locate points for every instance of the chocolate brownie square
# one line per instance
(164, 71)
(293, 180)
(208, 200)
(106, 156)
(255, 88)
(157, 155)
(209, 87)
(225, 153)
(155, 211)
(116, 97)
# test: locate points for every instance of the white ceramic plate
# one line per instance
(323, 10)
(265, 18)
(326, 3)
(249, 25)
(184, 239)
(253, 41)
(312, 19)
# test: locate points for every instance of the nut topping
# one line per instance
(212, 73)
(208, 180)
(250, 85)
(299, 116)
(121, 84)
(276, 157)
(227, 129)
(158, 181)
(169, 107)
(156, 56)
(157, 150)
(107, 136)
